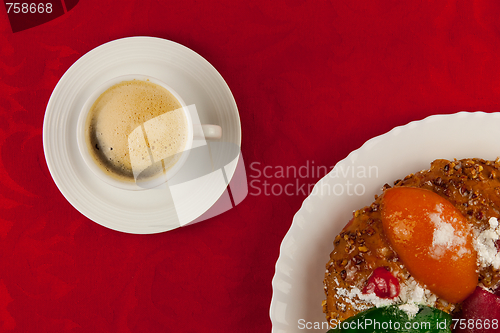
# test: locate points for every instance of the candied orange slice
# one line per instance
(432, 239)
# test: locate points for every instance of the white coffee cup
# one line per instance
(193, 132)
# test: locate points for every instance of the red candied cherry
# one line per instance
(382, 283)
(480, 313)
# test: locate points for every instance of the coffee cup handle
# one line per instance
(207, 132)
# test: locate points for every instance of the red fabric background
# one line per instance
(312, 81)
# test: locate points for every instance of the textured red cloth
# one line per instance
(312, 80)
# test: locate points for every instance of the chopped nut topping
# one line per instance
(370, 231)
(363, 248)
(409, 176)
(357, 259)
(463, 191)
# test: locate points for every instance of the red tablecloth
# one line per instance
(312, 81)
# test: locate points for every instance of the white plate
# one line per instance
(194, 78)
(298, 281)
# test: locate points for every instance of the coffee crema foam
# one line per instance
(136, 128)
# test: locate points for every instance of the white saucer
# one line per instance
(194, 78)
(305, 250)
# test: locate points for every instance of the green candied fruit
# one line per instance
(393, 319)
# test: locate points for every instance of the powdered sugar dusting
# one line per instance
(445, 236)
(410, 296)
(485, 245)
(411, 309)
